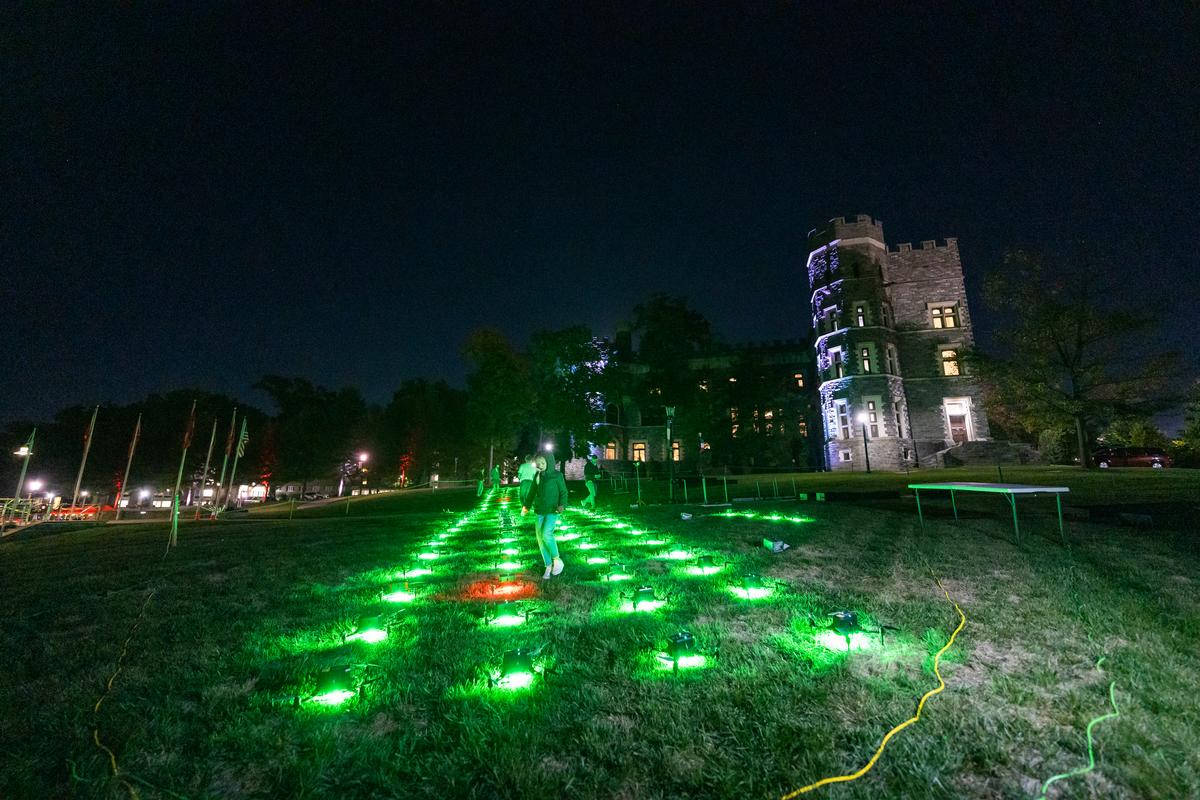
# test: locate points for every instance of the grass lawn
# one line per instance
(246, 613)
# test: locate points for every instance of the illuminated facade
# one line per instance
(890, 330)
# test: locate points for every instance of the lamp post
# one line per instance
(670, 455)
(24, 452)
(862, 420)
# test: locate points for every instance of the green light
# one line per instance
(516, 670)
(334, 686)
(655, 541)
(508, 565)
(415, 572)
(566, 537)
(752, 588)
(587, 546)
(370, 630)
(643, 599)
(507, 615)
(444, 535)
(510, 551)
(616, 576)
(620, 525)
(508, 540)
(681, 652)
(843, 643)
(428, 556)
(677, 555)
(399, 596)
(705, 565)
(597, 560)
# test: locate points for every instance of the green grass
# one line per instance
(1088, 487)
(247, 612)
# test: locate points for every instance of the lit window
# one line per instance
(769, 414)
(950, 365)
(860, 316)
(843, 418)
(704, 386)
(733, 380)
(873, 418)
(675, 451)
(610, 451)
(639, 451)
(733, 429)
(866, 359)
(733, 413)
(836, 366)
(802, 428)
(799, 379)
(944, 316)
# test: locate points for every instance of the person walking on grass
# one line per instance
(479, 488)
(591, 476)
(525, 474)
(548, 499)
(495, 476)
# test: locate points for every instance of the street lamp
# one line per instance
(863, 418)
(670, 455)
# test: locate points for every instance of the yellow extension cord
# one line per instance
(853, 776)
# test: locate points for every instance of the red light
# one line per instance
(500, 590)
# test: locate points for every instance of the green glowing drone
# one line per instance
(843, 631)
(681, 652)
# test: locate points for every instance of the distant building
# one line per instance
(890, 330)
(750, 405)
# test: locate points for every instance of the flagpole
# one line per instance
(24, 467)
(225, 462)
(204, 474)
(87, 446)
(241, 445)
(187, 442)
(137, 432)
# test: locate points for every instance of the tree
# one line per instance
(314, 427)
(499, 393)
(1133, 432)
(1067, 358)
(567, 370)
(423, 425)
(669, 335)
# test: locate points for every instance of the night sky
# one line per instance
(196, 197)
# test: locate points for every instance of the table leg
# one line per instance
(920, 515)
(954, 505)
(1061, 534)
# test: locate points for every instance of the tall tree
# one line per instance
(567, 369)
(315, 427)
(499, 393)
(423, 429)
(1067, 357)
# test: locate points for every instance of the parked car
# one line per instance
(1131, 457)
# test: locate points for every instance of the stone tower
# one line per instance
(890, 329)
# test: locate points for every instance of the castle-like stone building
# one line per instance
(890, 329)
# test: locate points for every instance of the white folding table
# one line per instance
(1009, 490)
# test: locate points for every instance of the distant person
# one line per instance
(479, 487)
(591, 476)
(495, 476)
(526, 473)
(548, 499)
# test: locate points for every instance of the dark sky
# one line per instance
(198, 196)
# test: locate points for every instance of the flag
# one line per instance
(242, 439)
(229, 439)
(191, 427)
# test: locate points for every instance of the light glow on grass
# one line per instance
(832, 640)
(508, 540)
(368, 635)
(588, 546)
(333, 698)
(654, 542)
(508, 566)
(692, 661)
(428, 556)
(510, 551)
(676, 555)
(416, 572)
(399, 596)
(617, 576)
(597, 560)
(515, 680)
(629, 607)
(751, 592)
(711, 569)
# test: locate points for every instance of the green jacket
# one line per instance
(549, 489)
